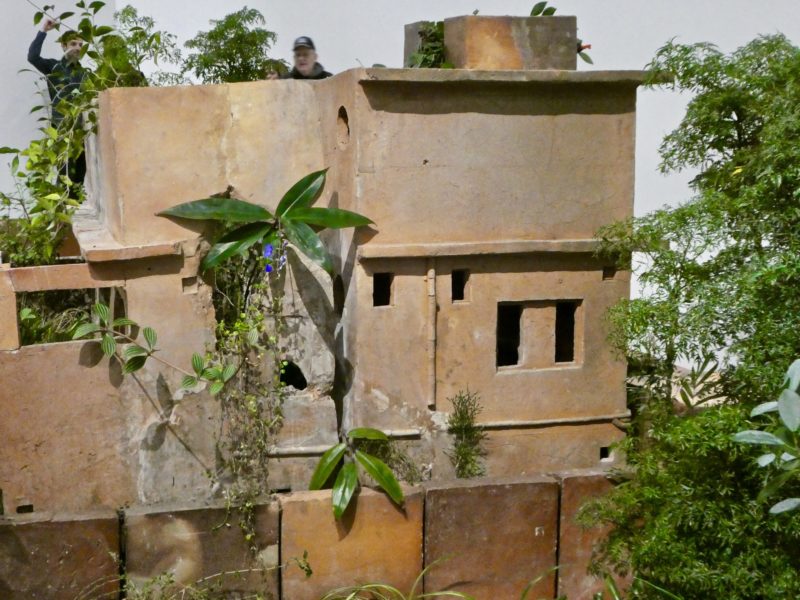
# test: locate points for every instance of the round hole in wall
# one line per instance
(342, 128)
(292, 375)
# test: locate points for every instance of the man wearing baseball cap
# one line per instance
(305, 61)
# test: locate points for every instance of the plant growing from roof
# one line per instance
(293, 220)
(540, 9)
(346, 483)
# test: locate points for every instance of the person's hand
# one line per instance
(48, 24)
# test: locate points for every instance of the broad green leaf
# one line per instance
(366, 433)
(775, 484)
(792, 380)
(150, 337)
(108, 344)
(538, 8)
(382, 475)
(784, 506)
(326, 466)
(789, 409)
(228, 372)
(757, 437)
(334, 218)
(197, 363)
(216, 388)
(586, 58)
(343, 489)
(85, 329)
(188, 382)
(7, 150)
(302, 194)
(132, 351)
(308, 242)
(134, 364)
(219, 209)
(549, 11)
(96, 6)
(787, 456)
(101, 310)
(765, 459)
(235, 242)
(37, 17)
(123, 322)
(764, 408)
(212, 373)
(102, 30)
(65, 15)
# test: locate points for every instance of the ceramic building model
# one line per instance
(487, 185)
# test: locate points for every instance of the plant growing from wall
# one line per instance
(235, 49)
(468, 437)
(781, 437)
(348, 455)
(430, 52)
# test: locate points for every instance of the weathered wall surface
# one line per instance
(453, 529)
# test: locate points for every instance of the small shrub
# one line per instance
(468, 437)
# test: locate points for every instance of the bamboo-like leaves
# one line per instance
(367, 433)
(382, 475)
(237, 241)
(789, 409)
(343, 489)
(333, 218)
(308, 242)
(326, 466)
(218, 209)
(302, 194)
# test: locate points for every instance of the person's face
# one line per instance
(304, 60)
(72, 49)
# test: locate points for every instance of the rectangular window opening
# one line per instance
(458, 284)
(51, 316)
(508, 334)
(609, 273)
(606, 454)
(565, 331)
(23, 509)
(382, 289)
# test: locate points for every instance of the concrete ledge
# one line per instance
(97, 244)
(59, 277)
(369, 251)
(467, 76)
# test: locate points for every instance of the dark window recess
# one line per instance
(565, 331)
(605, 453)
(458, 284)
(508, 334)
(292, 375)
(609, 273)
(382, 289)
(338, 295)
(24, 509)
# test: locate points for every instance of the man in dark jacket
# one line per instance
(305, 61)
(63, 76)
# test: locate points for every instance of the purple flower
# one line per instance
(268, 250)
(268, 268)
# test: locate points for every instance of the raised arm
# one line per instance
(45, 65)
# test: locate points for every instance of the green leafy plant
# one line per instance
(350, 457)
(430, 53)
(540, 9)
(782, 438)
(293, 220)
(468, 449)
(234, 49)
